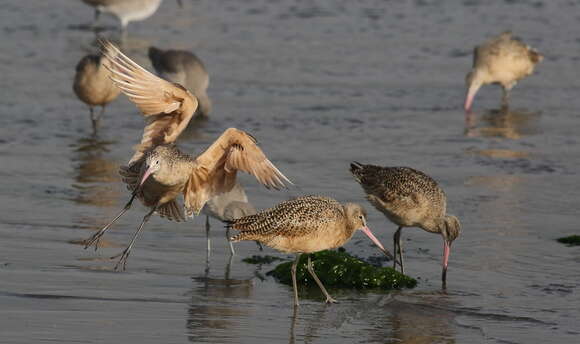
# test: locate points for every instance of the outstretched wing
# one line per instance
(214, 171)
(167, 106)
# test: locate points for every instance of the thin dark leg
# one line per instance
(259, 245)
(208, 240)
(398, 250)
(125, 254)
(310, 266)
(294, 284)
(94, 239)
(505, 98)
(232, 251)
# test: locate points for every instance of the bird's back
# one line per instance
(408, 197)
(505, 58)
(303, 224)
(92, 83)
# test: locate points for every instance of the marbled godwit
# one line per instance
(158, 172)
(227, 206)
(305, 225)
(93, 85)
(500, 60)
(409, 198)
(186, 69)
(126, 10)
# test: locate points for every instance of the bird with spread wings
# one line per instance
(159, 172)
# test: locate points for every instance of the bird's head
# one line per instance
(357, 219)
(449, 227)
(156, 161)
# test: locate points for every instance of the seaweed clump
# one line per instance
(341, 270)
(256, 259)
(572, 240)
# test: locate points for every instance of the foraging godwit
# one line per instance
(227, 206)
(500, 60)
(158, 172)
(93, 85)
(126, 10)
(186, 69)
(409, 198)
(305, 225)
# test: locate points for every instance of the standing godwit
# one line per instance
(500, 60)
(305, 225)
(93, 85)
(186, 69)
(126, 10)
(409, 198)
(227, 206)
(158, 172)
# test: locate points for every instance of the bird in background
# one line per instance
(159, 172)
(305, 225)
(184, 68)
(409, 198)
(227, 206)
(93, 85)
(126, 11)
(501, 60)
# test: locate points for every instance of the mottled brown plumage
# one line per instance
(409, 198)
(159, 172)
(500, 60)
(305, 225)
(93, 85)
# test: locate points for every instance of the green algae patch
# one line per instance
(256, 259)
(341, 270)
(572, 240)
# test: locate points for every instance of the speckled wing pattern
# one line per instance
(403, 185)
(215, 170)
(295, 217)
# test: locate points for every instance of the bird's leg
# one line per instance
(229, 267)
(232, 251)
(94, 239)
(259, 246)
(310, 267)
(505, 96)
(208, 240)
(125, 254)
(294, 284)
(398, 250)
(94, 119)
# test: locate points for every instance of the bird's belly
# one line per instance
(155, 193)
(306, 244)
(404, 218)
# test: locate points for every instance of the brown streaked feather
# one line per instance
(171, 211)
(293, 218)
(215, 170)
(167, 106)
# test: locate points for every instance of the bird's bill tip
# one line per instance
(445, 262)
(376, 241)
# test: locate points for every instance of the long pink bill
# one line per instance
(446, 251)
(470, 96)
(370, 234)
(145, 176)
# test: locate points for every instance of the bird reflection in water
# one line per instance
(503, 123)
(215, 306)
(94, 174)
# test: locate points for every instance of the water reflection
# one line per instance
(504, 122)
(215, 306)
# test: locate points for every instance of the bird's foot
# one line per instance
(95, 239)
(330, 300)
(123, 260)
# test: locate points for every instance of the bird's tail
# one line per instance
(356, 168)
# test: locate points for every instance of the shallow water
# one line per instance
(319, 85)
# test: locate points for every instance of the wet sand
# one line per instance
(319, 85)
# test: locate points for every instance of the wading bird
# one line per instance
(158, 172)
(93, 85)
(305, 225)
(409, 198)
(500, 60)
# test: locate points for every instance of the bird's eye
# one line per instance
(157, 162)
(360, 217)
